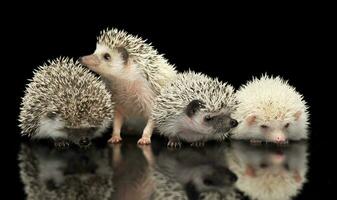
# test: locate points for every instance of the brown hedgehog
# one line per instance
(65, 102)
(60, 175)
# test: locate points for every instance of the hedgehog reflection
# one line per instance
(193, 174)
(51, 174)
(269, 172)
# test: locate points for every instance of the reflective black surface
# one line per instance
(294, 43)
(229, 170)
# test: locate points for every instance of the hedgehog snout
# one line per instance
(90, 61)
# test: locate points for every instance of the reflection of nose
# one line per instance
(233, 123)
(84, 142)
(278, 158)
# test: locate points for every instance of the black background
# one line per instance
(233, 46)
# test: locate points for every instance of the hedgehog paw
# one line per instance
(173, 144)
(115, 139)
(61, 144)
(282, 142)
(144, 141)
(198, 144)
(255, 141)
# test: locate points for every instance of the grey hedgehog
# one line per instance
(192, 174)
(195, 108)
(135, 73)
(50, 174)
(65, 102)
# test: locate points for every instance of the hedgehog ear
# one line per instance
(251, 119)
(193, 107)
(250, 171)
(124, 54)
(297, 115)
(297, 177)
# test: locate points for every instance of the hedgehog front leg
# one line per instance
(174, 142)
(147, 133)
(118, 122)
(198, 144)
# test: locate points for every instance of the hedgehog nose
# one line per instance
(84, 142)
(232, 177)
(233, 123)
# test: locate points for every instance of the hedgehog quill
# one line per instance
(270, 110)
(135, 73)
(65, 102)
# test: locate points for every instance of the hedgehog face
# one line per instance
(109, 62)
(208, 123)
(81, 136)
(272, 130)
(53, 125)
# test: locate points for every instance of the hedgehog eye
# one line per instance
(263, 165)
(52, 115)
(208, 118)
(264, 126)
(107, 57)
(92, 129)
(287, 125)
(208, 182)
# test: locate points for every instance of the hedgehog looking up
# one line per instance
(65, 102)
(195, 108)
(135, 73)
(270, 110)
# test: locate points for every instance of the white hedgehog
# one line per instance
(277, 173)
(65, 102)
(194, 108)
(271, 110)
(135, 73)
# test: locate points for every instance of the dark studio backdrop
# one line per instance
(232, 47)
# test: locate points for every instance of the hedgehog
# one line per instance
(50, 174)
(194, 108)
(192, 173)
(276, 172)
(270, 110)
(135, 73)
(65, 102)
